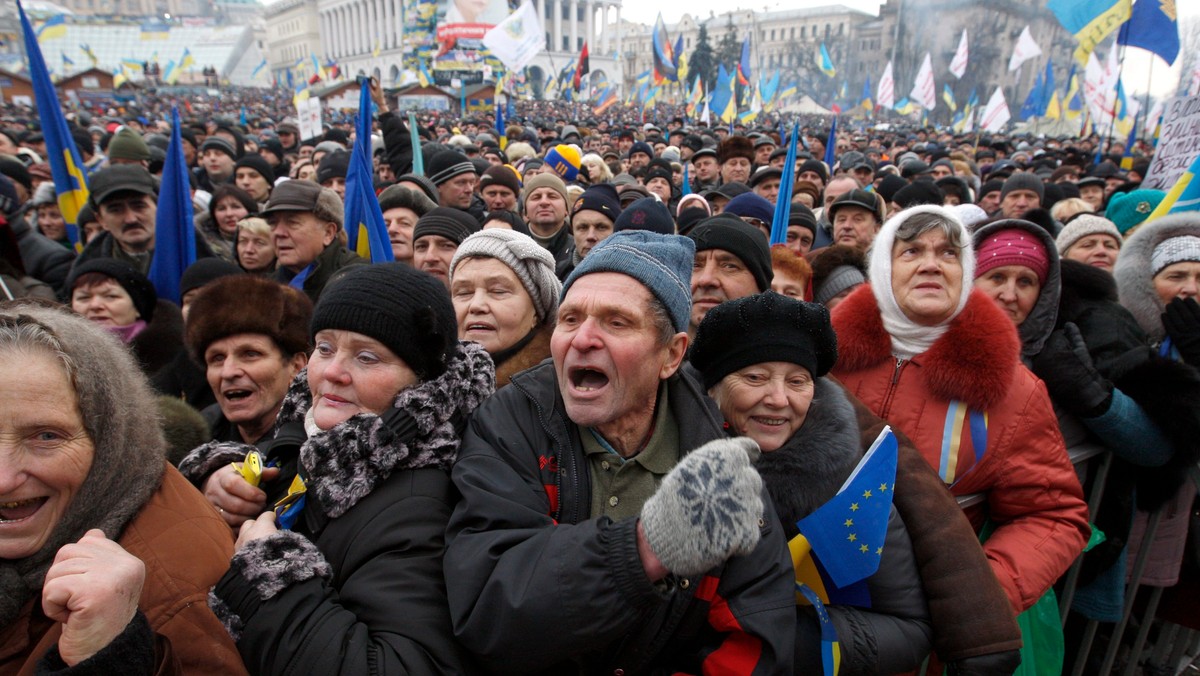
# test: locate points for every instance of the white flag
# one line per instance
(959, 65)
(885, 95)
(996, 114)
(924, 92)
(706, 116)
(1155, 117)
(1024, 50)
(517, 39)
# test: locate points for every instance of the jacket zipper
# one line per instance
(891, 390)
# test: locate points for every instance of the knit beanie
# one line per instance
(501, 175)
(800, 214)
(689, 217)
(648, 213)
(333, 165)
(453, 224)
(1128, 209)
(889, 186)
(425, 184)
(764, 327)
(843, 277)
(242, 303)
(601, 198)
(751, 205)
(530, 261)
(407, 310)
(1012, 247)
(1174, 250)
(259, 164)
(661, 263)
(990, 186)
(205, 271)
(403, 197)
(1084, 225)
(544, 181)
(815, 166)
(1023, 181)
(446, 165)
(693, 200)
(139, 288)
(919, 192)
(215, 142)
(641, 147)
(127, 144)
(730, 233)
(970, 214)
(565, 160)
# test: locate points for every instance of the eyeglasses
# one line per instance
(755, 222)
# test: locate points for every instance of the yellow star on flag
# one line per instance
(864, 549)
(867, 494)
(849, 522)
(852, 537)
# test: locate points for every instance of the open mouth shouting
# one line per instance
(586, 380)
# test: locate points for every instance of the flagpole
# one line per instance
(1112, 124)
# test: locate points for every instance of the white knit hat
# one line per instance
(530, 261)
(1084, 225)
(1174, 250)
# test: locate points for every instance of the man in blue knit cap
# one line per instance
(603, 507)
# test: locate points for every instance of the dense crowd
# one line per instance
(580, 422)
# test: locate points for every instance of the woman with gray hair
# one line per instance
(505, 296)
(106, 553)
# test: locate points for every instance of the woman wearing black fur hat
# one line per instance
(347, 577)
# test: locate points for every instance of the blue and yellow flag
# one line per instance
(831, 144)
(65, 164)
(865, 99)
(743, 66)
(187, 60)
(1183, 196)
(54, 27)
(67, 60)
(826, 63)
(783, 201)
(365, 229)
(174, 234)
(1154, 27)
(1090, 21)
(948, 97)
(87, 51)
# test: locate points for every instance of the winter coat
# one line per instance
(1030, 488)
(536, 586)
(184, 378)
(104, 246)
(528, 356)
(357, 587)
(397, 143)
(331, 261)
(186, 547)
(43, 258)
(161, 340)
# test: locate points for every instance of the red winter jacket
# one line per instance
(1031, 491)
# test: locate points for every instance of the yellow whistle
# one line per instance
(251, 469)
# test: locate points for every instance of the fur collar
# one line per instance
(531, 355)
(344, 464)
(1134, 281)
(1086, 282)
(807, 471)
(972, 362)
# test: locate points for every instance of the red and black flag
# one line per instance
(582, 69)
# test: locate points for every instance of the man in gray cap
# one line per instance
(306, 224)
(1021, 192)
(455, 177)
(602, 502)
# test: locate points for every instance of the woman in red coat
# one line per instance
(942, 364)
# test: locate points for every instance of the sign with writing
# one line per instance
(1178, 143)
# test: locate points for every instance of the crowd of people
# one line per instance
(573, 426)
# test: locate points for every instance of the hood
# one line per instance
(1041, 320)
(1135, 284)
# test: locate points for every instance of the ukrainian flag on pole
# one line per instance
(65, 165)
(364, 221)
(1090, 20)
(1183, 196)
(174, 234)
(826, 64)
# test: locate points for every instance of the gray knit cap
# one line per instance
(1174, 250)
(1085, 225)
(530, 261)
(843, 277)
(1023, 181)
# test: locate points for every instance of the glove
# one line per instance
(1073, 381)
(707, 509)
(1182, 322)
(994, 664)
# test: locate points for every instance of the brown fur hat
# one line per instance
(246, 304)
(735, 146)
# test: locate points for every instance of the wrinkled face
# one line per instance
(456, 192)
(736, 169)
(50, 222)
(400, 223)
(927, 278)
(1179, 280)
(129, 218)
(432, 254)
(106, 303)
(718, 276)
(768, 189)
(228, 212)
(706, 168)
(854, 226)
(589, 227)
(1096, 250)
(990, 202)
(545, 210)
(218, 165)
(799, 239)
(492, 306)
(256, 253)
(249, 376)
(1093, 195)
(252, 182)
(299, 237)
(810, 176)
(1017, 202)
(787, 285)
(638, 160)
(45, 452)
(608, 358)
(350, 373)
(837, 188)
(767, 402)
(661, 187)
(499, 198)
(1013, 288)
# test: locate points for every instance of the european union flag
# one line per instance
(65, 165)
(174, 234)
(1152, 29)
(364, 221)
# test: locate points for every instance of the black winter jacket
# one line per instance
(536, 586)
(332, 260)
(43, 258)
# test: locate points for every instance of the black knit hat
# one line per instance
(762, 328)
(453, 224)
(800, 214)
(1023, 181)
(333, 165)
(502, 176)
(601, 198)
(446, 165)
(218, 143)
(918, 193)
(406, 310)
(815, 166)
(139, 288)
(204, 271)
(259, 164)
(730, 233)
(426, 185)
(648, 213)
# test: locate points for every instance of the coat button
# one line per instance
(618, 672)
(612, 502)
(761, 523)
(604, 465)
(685, 583)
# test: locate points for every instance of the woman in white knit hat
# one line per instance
(1090, 239)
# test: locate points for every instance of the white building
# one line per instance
(293, 33)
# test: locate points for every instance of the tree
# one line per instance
(729, 48)
(700, 61)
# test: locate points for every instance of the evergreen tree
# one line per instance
(700, 61)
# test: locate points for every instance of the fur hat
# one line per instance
(735, 146)
(249, 304)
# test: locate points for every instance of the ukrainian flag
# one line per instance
(186, 61)
(948, 97)
(54, 27)
(87, 50)
(365, 229)
(826, 63)
(65, 165)
(1090, 20)
(174, 234)
(1183, 196)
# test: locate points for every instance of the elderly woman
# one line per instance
(505, 297)
(942, 365)
(105, 550)
(255, 252)
(763, 359)
(115, 296)
(347, 578)
(1090, 239)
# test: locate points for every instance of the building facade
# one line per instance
(293, 33)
